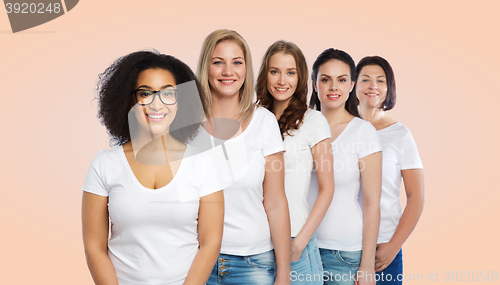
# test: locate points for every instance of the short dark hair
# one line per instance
(116, 84)
(390, 99)
(324, 57)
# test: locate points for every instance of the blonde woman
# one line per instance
(256, 241)
(282, 89)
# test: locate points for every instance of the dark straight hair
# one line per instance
(390, 99)
(324, 57)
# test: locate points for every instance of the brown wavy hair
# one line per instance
(293, 115)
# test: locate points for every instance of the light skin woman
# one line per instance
(225, 72)
(282, 88)
(375, 90)
(152, 141)
(333, 84)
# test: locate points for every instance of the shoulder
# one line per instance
(108, 156)
(263, 113)
(363, 126)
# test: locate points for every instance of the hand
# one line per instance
(296, 249)
(384, 255)
(365, 276)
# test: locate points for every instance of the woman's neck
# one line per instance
(335, 116)
(279, 107)
(226, 107)
(372, 115)
(153, 142)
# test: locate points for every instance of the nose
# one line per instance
(373, 85)
(281, 79)
(156, 105)
(227, 70)
(333, 86)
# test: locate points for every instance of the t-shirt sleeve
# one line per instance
(94, 180)
(408, 156)
(318, 130)
(272, 137)
(368, 140)
(210, 181)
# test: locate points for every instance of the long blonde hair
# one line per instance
(207, 50)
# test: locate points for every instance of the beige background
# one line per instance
(446, 59)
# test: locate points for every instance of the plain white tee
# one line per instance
(342, 227)
(154, 236)
(241, 164)
(299, 164)
(399, 152)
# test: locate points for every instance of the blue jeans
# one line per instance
(340, 267)
(393, 274)
(258, 269)
(308, 270)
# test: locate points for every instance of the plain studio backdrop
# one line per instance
(446, 61)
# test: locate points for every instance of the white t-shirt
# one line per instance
(154, 236)
(241, 164)
(299, 164)
(399, 152)
(342, 227)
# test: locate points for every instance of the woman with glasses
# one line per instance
(282, 89)
(376, 92)
(347, 236)
(161, 199)
(256, 242)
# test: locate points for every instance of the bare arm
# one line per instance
(95, 226)
(323, 160)
(210, 226)
(414, 187)
(276, 207)
(371, 185)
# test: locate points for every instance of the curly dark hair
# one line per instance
(390, 99)
(115, 95)
(293, 115)
(325, 57)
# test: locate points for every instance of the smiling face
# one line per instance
(227, 70)
(282, 77)
(371, 86)
(155, 117)
(333, 84)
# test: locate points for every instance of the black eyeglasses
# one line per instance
(145, 97)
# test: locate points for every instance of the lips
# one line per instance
(156, 117)
(281, 90)
(333, 96)
(227, 81)
(371, 94)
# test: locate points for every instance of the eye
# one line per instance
(342, 80)
(238, 62)
(273, 72)
(217, 62)
(168, 93)
(364, 80)
(381, 81)
(144, 93)
(291, 73)
(325, 80)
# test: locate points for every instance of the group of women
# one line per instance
(291, 172)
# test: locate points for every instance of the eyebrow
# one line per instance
(369, 76)
(149, 87)
(238, 57)
(293, 68)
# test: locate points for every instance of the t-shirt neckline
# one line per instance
(344, 130)
(136, 181)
